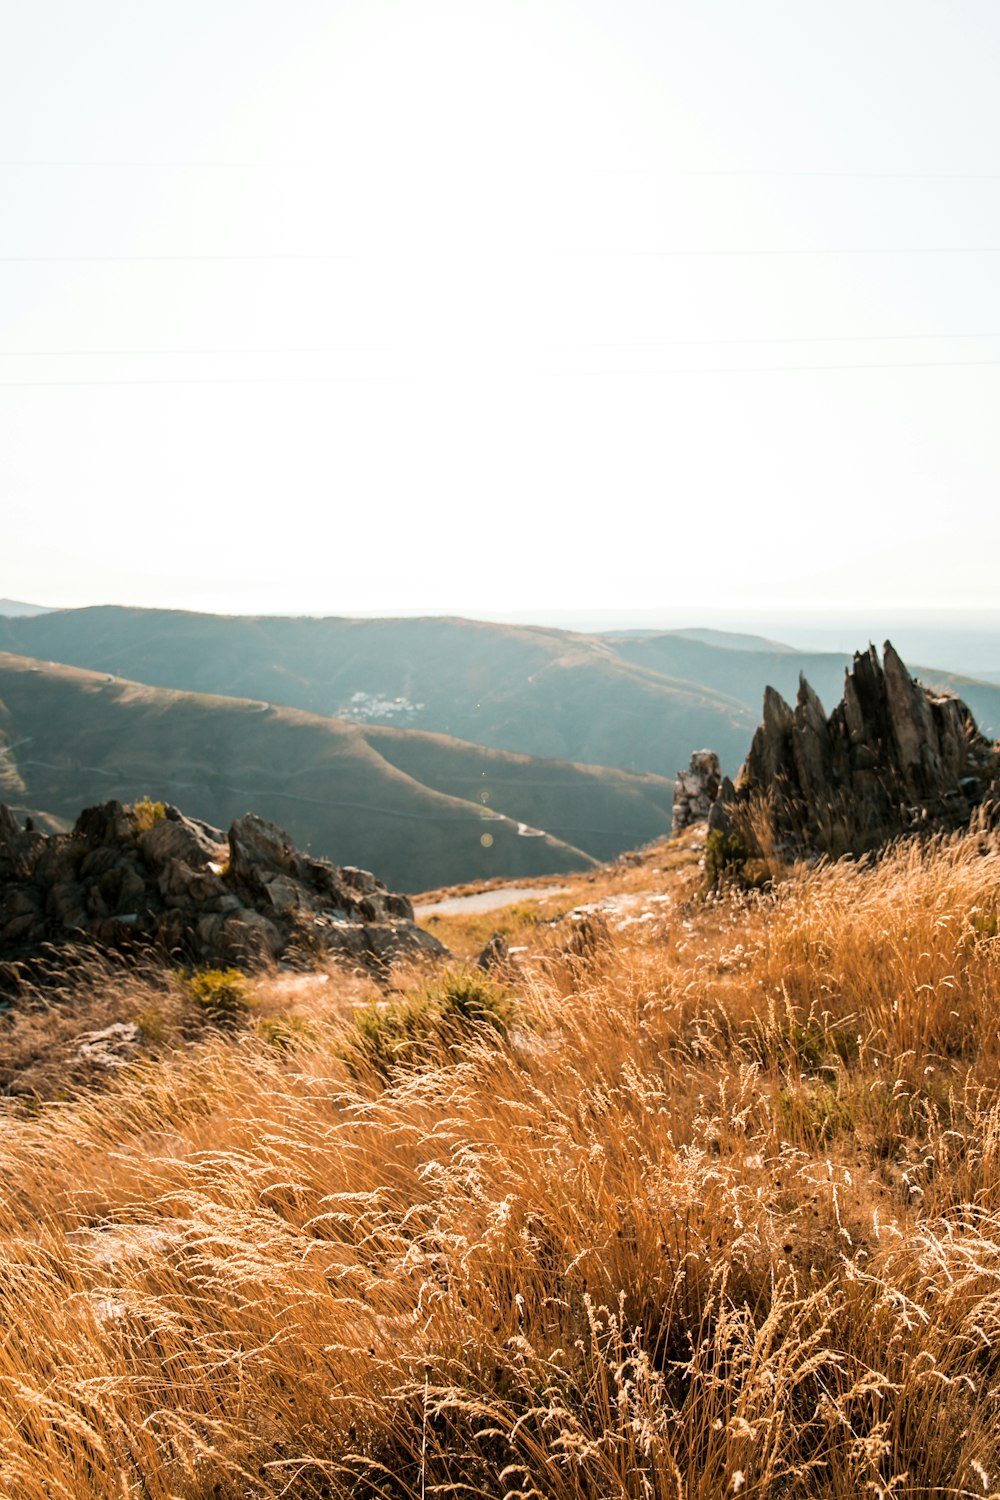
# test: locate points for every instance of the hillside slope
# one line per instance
(639, 701)
(415, 808)
(700, 1200)
(540, 692)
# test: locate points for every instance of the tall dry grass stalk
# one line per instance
(719, 1214)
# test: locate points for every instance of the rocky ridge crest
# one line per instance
(893, 757)
(119, 880)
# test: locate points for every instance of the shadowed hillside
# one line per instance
(540, 692)
(416, 808)
(639, 701)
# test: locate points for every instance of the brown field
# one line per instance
(709, 1208)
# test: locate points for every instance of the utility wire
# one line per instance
(555, 169)
(945, 364)
(837, 338)
(333, 255)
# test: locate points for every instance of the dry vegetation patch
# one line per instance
(709, 1208)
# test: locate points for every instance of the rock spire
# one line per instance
(893, 757)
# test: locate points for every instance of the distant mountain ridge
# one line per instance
(637, 701)
(745, 671)
(530, 690)
(18, 608)
(729, 640)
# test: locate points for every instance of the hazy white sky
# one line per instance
(389, 304)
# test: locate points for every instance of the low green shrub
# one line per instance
(223, 994)
(153, 1025)
(816, 1112)
(284, 1032)
(726, 856)
(432, 1019)
(145, 813)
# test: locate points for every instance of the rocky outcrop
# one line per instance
(893, 757)
(153, 878)
(496, 959)
(695, 790)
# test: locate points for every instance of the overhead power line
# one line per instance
(537, 169)
(566, 254)
(205, 351)
(944, 364)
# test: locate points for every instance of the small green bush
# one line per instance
(412, 1028)
(145, 813)
(284, 1032)
(984, 926)
(818, 1112)
(223, 994)
(726, 856)
(152, 1024)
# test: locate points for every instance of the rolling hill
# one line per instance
(536, 691)
(392, 743)
(639, 701)
(420, 809)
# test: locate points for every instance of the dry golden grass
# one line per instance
(718, 1213)
(466, 934)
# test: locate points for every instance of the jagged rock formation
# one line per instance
(120, 880)
(893, 757)
(695, 790)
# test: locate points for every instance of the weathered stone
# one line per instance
(113, 1047)
(101, 861)
(17, 929)
(809, 746)
(95, 902)
(179, 838)
(209, 928)
(720, 818)
(66, 899)
(131, 888)
(912, 722)
(771, 747)
(380, 944)
(58, 860)
(257, 847)
(20, 849)
(167, 886)
(107, 823)
(695, 790)
(891, 758)
(249, 938)
(495, 957)
(118, 930)
(398, 907)
(21, 901)
(283, 894)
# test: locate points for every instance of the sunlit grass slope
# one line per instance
(706, 1205)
